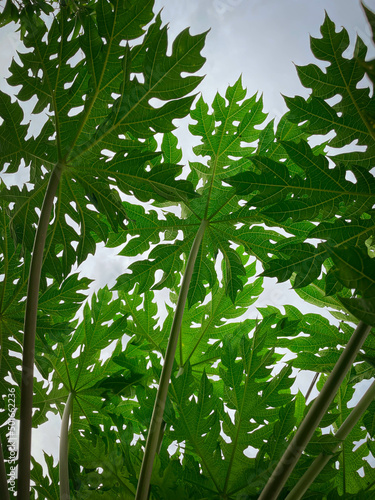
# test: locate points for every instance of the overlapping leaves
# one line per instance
(245, 366)
(320, 193)
(346, 477)
(356, 270)
(226, 134)
(224, 402)
(99, 109)
(264, 410)
(110, 465)
(81, 370)
(206, 326)
(350, 117)
(301, 185)
(58, 305)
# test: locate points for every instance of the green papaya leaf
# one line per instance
(362, 309)
(350, 117)
(58, 306)
(355, 269)
(46, 484)
(225, 133)
(318, 194)
(84, 369)
(101, 123)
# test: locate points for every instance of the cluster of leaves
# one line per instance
(28, 12)
(335, 194)
(230, 411)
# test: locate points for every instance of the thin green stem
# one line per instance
(306, 430)
(343, 454)
(161, 397)
(29, 336)
(64, 448)
(3, 477)
(321, 461)
(309, 390)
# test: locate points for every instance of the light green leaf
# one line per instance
(100, 116)
(349, 117)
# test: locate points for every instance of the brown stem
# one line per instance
(29, 336)
(318, 409)
(64, 450)
(321, 461)
(153, 436)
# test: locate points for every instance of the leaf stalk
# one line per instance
(161, 397)
(318, 409)
(64, 448)
(29, 335)
(321, 461)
